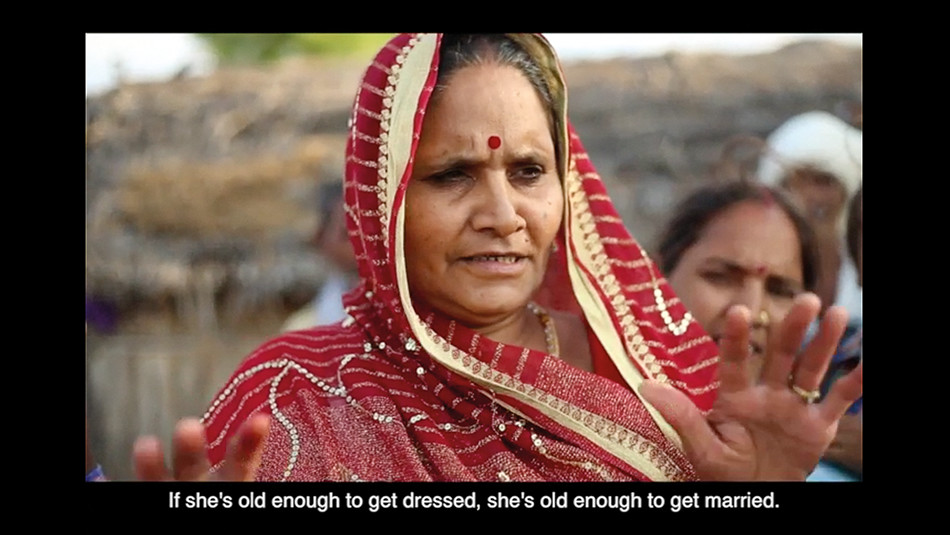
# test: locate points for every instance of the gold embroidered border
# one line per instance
(369, 113)
(590, 249)
(375, 90)
(212, 412)
(697, 391)
(630, 264)
(690, 343)
(623, 442)
(367, 138)
(633, 288)
(694, 368)
(379, 65)
(653, 308)
(611, 239)
(364, 163)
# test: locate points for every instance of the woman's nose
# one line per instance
(752, 296)
(496, 207)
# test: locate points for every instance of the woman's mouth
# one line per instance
(496, 264)
(507, 259)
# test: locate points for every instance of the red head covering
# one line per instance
(398, 392)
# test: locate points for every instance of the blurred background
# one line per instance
(205, 154)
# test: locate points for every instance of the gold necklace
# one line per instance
(677, 328)
(550, 330)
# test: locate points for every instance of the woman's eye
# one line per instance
(529, 174)
(450, 176)
(716, 277)
(782, 289)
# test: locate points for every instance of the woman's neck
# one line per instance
(521, 328)
(518, 328)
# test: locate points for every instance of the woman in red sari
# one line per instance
(506, 326)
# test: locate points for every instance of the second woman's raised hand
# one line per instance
(761, 428)
(189, 457)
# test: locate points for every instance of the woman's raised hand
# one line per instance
(190, 460)
(763, 429)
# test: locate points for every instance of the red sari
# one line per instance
(398, 392)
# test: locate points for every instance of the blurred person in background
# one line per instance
(333, 244)
(817, 158)
(748, 244)
(844, 460)
(739, 244)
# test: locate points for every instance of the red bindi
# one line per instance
(760, 270)
(494, 142)
(767, 197)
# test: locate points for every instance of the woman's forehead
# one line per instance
(486, 91)
(752, 232)
(480, 104)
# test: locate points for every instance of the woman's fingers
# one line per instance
(698, 437)
(190, 459)
(780, 356)
(148, 459)
(734, 372)
(844, 392)
(814, 360)
(245, 451)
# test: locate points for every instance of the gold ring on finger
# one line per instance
(808, 396)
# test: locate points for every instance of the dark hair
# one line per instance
(855, 220)
(699, 208)
(464, 50)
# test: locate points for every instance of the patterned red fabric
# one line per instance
(398, 392)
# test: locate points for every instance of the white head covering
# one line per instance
(814, 139)
(822, 141)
